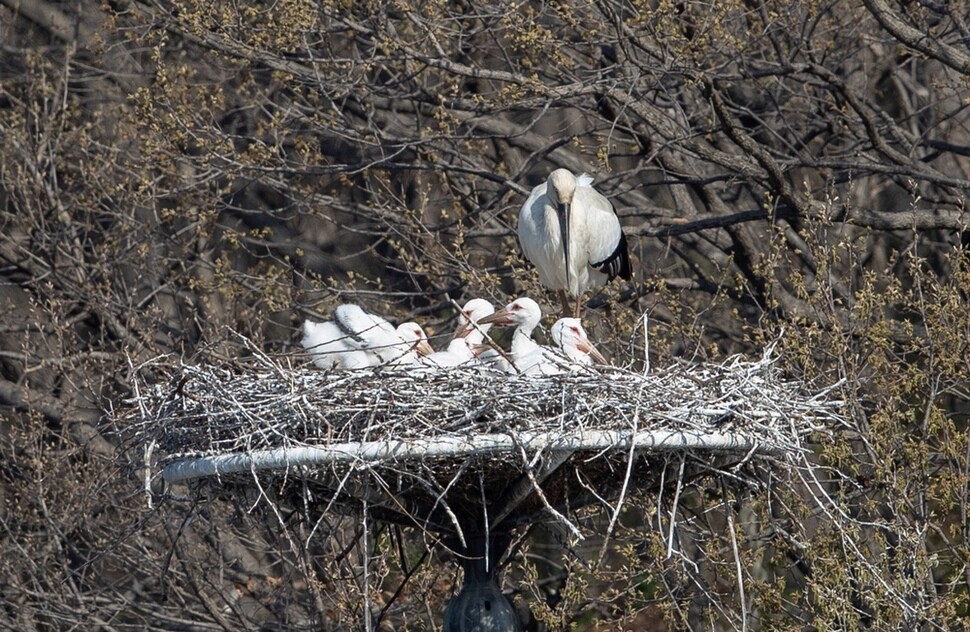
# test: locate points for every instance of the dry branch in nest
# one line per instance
(445, 448)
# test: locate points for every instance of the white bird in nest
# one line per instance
(531, 358)
(357, 339)
(525, 314)
(570, 336)
(571, 234)
(463, 348)
(486, 355)
(573, 349)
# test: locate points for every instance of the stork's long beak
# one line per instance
(587, 347)
(562, 210)
(478, 350)
(499, 318)
(423, 348)
(471, 328)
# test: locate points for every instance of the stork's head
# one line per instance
(569, 335)
(561, 187)
(413, 334)
(473, 311)
(523, 312)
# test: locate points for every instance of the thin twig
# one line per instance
(673, 506)
(622, 498)
(729, 512)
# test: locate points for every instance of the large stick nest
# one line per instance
(436, 446)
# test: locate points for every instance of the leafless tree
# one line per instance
(175, 173)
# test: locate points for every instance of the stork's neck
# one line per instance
(460, 347)
(476, 337)
(522, 341)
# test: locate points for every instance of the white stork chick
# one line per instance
(386, 344)
(571, 234)
(356, 339)
(472, 312)
(415, 344)
(328, 347)
(573, 349)
(485, 354)
(525, 314)
(571, 338)
(464, 347)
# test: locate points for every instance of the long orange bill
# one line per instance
(499, 318)
(588, 348)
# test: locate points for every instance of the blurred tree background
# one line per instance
(174, 173)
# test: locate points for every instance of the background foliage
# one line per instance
(173, 172)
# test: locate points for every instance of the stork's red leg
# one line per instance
(566, 305)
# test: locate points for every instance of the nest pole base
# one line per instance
(480, 605)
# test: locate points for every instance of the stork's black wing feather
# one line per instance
(618, 263)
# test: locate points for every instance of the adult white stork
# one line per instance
(356, 339)
(570, 336)
(571, 234)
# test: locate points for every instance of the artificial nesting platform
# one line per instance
(445, 449)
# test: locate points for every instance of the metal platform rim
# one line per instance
(396, 450)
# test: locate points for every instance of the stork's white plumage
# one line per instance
(458, 353)
(571, 234)
(541, 361)
(462, 349)
(525, 314)
(328, 347)
(357, 339)
(570, 336)
(472, 312)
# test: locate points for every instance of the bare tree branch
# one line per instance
(924, 42)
